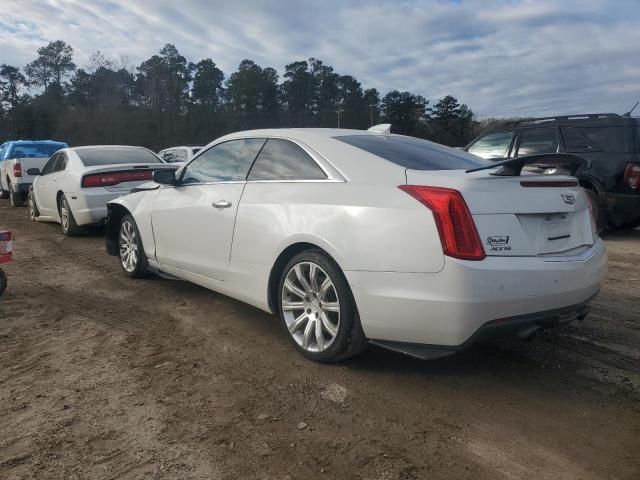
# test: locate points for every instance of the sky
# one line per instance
(501, 57)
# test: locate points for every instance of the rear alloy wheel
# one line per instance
(317, 309)
(33, 209)
(132, 258)
(68, 223)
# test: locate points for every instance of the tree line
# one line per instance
(168, 100)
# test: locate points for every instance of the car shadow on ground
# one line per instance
(621, 234)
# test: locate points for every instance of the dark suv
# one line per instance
(610, 144)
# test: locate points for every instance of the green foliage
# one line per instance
(405, 111)
(451, 122)
(167, 100)
(53, 64)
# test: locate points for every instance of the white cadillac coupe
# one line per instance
(356, 237)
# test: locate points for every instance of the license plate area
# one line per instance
(555, 233)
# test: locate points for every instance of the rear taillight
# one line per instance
(458, 233)
(17, 170)
(109, 179)
(632, 175)
(592, 214)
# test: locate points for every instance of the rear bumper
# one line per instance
(448, 308)
(21, 187)
(523, 326)
(90, 207)
(622, 209)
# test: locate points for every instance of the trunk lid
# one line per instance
(526, 215)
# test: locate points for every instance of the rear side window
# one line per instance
(167, 156)
(180, 155)
(413, 153)
(95, 156)
(284, 160)
(224, 162)
(599, 139)
(34, 149)
(493, 145)
(537, 140)
(61, 163)
(48, 167)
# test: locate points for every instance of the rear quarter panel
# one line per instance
(363, 227)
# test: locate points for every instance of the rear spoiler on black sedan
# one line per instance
(513, 166)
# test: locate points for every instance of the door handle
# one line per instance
(221, 204)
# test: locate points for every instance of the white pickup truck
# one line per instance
(16, 159)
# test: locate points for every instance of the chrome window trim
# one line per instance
(316, 180)
(222, 182)
(332, 174)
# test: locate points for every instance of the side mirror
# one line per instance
(165, 176)
(34, 171)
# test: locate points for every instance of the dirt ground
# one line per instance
(104, 377)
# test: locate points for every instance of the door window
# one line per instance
(535, 141)
(284, 160)
(224, 162)
(493, 145)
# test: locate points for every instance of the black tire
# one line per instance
(630, 225)
(129, 230)
(3, 281)
(33, 207)
(4, 194)
(69, 226)
(599, 210)
(350, 339)
(16, 198)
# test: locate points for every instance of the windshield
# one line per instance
(95, 156)
(600, 139)
(34, 149)
(414, 153)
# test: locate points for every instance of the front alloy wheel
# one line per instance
(132, 258)
(33, 209)
(311, 307)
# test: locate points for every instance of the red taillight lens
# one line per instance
(632, 175)
(108, 179)
(458, 233)
(17, 170)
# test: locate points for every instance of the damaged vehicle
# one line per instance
(356, 237)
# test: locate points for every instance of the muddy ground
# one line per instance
(104, 377)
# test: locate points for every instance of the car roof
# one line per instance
(35, 141)
(587, 119)
(106, 146)
(301, 134)
(182, 146)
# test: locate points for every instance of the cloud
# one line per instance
(503, 58)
